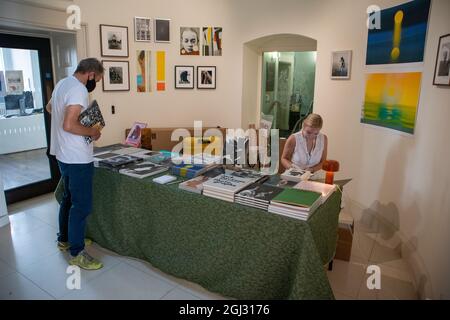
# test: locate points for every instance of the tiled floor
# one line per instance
(22, 168)
(31, 267)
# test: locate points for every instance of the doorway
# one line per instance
(26, 78)
(287, 89)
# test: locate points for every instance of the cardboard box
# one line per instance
(345, 237)
(161, 138)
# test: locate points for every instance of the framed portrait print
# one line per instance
(142, 29)
(114, 41)
(442, 68)
(184, 77)
(162, 30)
(116, 76)
(206, 77)
(341, 62)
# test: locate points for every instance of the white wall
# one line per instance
(385, 166)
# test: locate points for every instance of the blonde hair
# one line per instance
(314, 121)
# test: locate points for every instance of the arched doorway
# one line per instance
(278, 83)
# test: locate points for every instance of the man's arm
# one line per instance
(72, 125)
(48, 107)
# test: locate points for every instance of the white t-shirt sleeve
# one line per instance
(77, 96)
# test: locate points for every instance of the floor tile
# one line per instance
(5, 269)
(346, 277)
(122, 282)
(51, 274)
(179, 294)
(16, 287)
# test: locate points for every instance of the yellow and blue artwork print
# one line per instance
(391, 100)
(402, 36)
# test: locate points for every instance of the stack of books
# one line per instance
(143, 170)
(225, 186)
(258, 195)
(295, 203)
(196, 184)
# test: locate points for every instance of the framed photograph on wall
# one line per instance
(116, 76)
(142, 29)
(206, 77)
(184, 77)
(162, 30)
(442, 68)
(114, 41)
(341, 62)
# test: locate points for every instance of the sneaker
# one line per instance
(64, 246)
(85, 261)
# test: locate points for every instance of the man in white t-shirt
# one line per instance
(75, 158)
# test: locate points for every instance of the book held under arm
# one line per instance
(92, 117)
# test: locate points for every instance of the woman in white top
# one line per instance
(306, 149)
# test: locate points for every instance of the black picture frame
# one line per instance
(211, 73)
(107, 85)
(442, 67)
(179, 77)
(162, 30)
(108, 46)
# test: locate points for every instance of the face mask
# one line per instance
(90, 85)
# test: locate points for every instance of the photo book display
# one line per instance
(143, 169)
(91, 117)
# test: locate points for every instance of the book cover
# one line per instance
(142, 170)
(189, 170)
(119, 161)
(326, 190)
(135, 134)
(228, 183)
(294, 174)
(91, 117)
(260, 192)
(296, 197)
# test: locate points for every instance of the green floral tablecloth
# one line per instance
(230, 249)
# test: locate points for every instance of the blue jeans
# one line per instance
(76, 204)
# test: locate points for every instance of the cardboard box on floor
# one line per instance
(345, 237)
(161, 138)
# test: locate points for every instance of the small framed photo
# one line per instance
(341, 62)
(162, 30)
(114, 41)
(206, 77)
(184, 77)
(142, 29)
(189, 41)
(116, 76)
(442, 68)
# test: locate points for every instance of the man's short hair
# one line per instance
(90, 65)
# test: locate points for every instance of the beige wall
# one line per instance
(385, 166)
